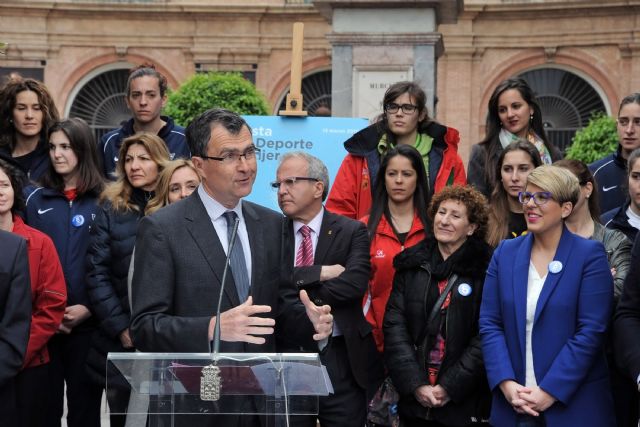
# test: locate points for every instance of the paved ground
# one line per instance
(104, 415)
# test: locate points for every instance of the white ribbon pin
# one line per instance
(464, 289)
(555, 267)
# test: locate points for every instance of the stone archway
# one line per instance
(316, 92)
(100, 101)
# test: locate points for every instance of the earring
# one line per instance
(531, 117)
(10, 120)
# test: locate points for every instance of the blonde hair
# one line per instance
(119, 193)
(161, 199)
(560, 182)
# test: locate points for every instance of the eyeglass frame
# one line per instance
(522, 194)
(395, 107)
(292, 180)
(251, 151)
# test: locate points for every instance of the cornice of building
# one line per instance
(554, 8)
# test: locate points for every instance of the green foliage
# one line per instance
(214, 90)
(594, 141)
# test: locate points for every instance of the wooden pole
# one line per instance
(294, 97)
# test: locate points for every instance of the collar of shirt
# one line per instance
(216, 209)
(315, 225)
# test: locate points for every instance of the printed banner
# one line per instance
(322, 137)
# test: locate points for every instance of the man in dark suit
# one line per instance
(177, 277)
(331, 257)
(15, 319)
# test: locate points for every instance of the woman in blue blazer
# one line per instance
(546, 304)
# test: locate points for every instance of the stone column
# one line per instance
(375, 44)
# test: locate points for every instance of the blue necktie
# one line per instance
(236, 261)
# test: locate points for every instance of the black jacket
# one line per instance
(617, 219)
(627, 319)
(462, 371)
(109, 146)
(39, 162)
(113, 237)
(479, 161)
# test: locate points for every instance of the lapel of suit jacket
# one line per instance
(328, 232)
(519, 281)
(201, 230)
(550, 283)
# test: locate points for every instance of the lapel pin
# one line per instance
(329, 232)
(464, 289)
(555, 266)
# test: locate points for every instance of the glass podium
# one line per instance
(165, 385)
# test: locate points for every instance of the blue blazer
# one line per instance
(569, 328)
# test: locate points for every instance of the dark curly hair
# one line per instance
(472, 199)
(8, 95)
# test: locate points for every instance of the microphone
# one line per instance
(210, 381)
(216, 328)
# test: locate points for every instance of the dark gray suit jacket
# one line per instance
(343, 241)
(15, 314)
(177, 273)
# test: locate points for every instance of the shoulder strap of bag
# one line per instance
(435, 311)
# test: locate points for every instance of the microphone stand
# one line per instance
(210, 381)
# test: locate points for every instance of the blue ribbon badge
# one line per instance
(77, 220)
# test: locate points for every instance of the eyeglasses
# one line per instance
(539, 198)
(234, 157)
(406, 108)
(290, 181)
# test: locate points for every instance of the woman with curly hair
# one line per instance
(27, 111)
(432, 347)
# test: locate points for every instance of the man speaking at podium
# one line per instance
(183, 247)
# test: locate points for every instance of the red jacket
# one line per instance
(384, 248)
(351, 191)
(48, 292)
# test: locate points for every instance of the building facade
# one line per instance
(580, 55)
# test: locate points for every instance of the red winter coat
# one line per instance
(351, 191)
(48, 292)
(384, 247)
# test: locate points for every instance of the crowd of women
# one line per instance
(492, 290)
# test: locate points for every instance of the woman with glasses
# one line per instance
(506, 216)
(626, 218)
(404, 121)
(513, 113)
(113, 235)
(546, 304)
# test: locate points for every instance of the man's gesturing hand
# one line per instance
(241, 323)
(320, 317)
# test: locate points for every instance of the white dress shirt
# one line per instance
(534, 287)
(215, 210)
